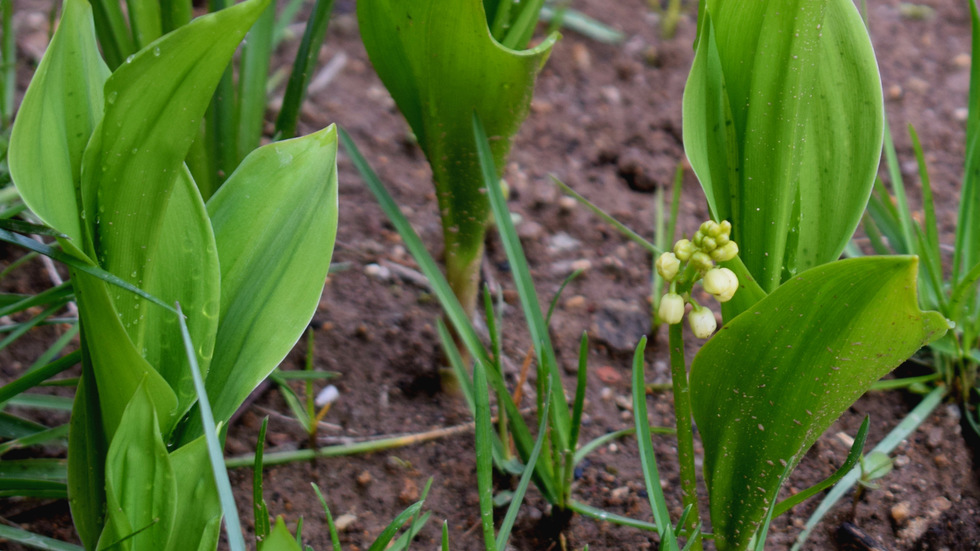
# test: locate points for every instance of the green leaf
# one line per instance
(783, 126)
(154, 104)
(86, 459)
(185, 241)
(279, 539)
(36, 541)
(220, 499)
(775, 377)
(441, 65)
(141, 488)
(967, 252)
(199, 516)
(274, 222)
(61, 107)
(118, 368)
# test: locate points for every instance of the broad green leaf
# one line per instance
(118, 368)
(274, 222)
(441, 65)
(775, 377)
(60, 109)
(141, 489)
(185, 242)
(783, 126)
(199, 514)
(87, 447)
(154, 104)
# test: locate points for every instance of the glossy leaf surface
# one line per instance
(441, 65)
(61, 107)
(275, 220)
(783, 125)
(775, 377)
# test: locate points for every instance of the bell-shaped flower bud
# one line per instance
(683, 250)
(721, 282)
(701, 261)
(708, 244)
(726, 228)
(671, 309)
(726, 252)
(702, 322)
(667, 266)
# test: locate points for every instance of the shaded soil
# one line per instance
(606, 119)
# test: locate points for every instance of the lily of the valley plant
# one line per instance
(100, 158)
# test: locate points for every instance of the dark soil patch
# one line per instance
(605, 119)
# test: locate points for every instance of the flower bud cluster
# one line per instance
(693, 260)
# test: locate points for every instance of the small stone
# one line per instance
(364, 478)
(530, 230)
(534, 514)
(624, 403)
(619, 325)
(941, 461)
(618, 495)
(894, 92)
(612, 95)
(378, 272)
(917, 85)
(562, 242)
(344, 521)
(934, 437)
(606, 394)
(901, 461)
(542, 106)
(409, 493)
(961, 114)
(581, 56)
(582, 264)
(575, 302)
(608, 374)
(962, 61)
(567, 204)
(901, 513)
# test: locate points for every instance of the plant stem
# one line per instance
(685, 432)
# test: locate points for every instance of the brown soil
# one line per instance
(606, 119)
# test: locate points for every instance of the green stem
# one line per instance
(685, 432)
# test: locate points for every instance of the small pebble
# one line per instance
(606, 394)
(962, 61)
(581, 56)
(941, 461)
(575, 302)
(901, 461)
(961, 113)
(624, 403)
(378, 272)
(901, 513)
(567, 204)
(344, 521)
(562, 242)
(410, 492)
(364, 478)
(583, 264)
(608, 374)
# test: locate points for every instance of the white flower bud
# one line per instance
(721, 282)
(726, 228)
(671, 309)
(667, 266)
(726, 252)
(683, 250)
(702, 322)
(708, 244)
(701, 261)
